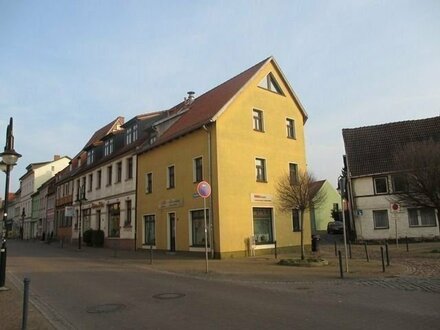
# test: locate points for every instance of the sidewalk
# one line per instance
(422, 260)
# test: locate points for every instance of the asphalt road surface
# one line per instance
(77, 290)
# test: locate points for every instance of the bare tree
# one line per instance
(420, 164)
(298, 193)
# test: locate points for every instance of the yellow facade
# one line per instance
(229, 147)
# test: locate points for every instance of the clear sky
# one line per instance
(68, 68)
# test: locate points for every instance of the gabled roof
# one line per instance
(207, 107)
(102, 132)
(315, 186)
(370, 149)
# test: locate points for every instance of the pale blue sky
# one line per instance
(69, 67)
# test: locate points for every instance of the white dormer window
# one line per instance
(108, 147)
(128, 137)
(135, 132)
(90, 156)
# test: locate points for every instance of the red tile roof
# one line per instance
(102, 132)
(370, 149)
(207, 106)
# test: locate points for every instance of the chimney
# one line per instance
(190, 98)
(56, 157)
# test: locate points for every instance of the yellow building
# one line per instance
(241, 136)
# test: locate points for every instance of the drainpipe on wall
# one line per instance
(135, 203)
(211, 227)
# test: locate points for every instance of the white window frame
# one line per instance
(291, 132)
(148, 186)
(144, 242)
(264, 162)
(374, 220)
(375, 185)
(260, 117)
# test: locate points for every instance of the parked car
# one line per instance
(335, 227)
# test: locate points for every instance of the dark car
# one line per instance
(335, 227)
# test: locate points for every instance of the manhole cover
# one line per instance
(106, 308)
(168, 295)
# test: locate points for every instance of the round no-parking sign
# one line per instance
(204, 189)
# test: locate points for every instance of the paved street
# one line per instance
(104, 289)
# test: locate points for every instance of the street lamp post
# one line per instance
(80, 199)
(9, 160)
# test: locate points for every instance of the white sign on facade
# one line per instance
(69, 211)
(261, 198)
(169, 203)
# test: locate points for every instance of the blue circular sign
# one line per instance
(204, 189)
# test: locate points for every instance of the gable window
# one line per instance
(170, 177)
(380, 219)
(150, 229)
(399, 183)
(290, 125)
(198, 169)
(262, 220)
(98, 179)
(198, 227)
(258, 120)
(149, 183)
(422, 217)
(130, 168)
(260, 169)
(109, 175)
(119, 172)
(293, 173)
(269, 82)
(108, 147)
(296, 223)
(90, 156)
(381, 185)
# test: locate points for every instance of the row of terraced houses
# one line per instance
(136, 179)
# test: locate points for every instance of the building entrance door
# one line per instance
(172, 228)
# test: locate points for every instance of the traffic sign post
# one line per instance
(204, 191)
(395, 208)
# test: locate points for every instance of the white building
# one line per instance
(36, 174)
(374, 178)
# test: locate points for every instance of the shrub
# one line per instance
(98, 238)
(87, 238)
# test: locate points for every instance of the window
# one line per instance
(290, 124)
(258, 120)
(262, 218)
(119, 172)
(296, 221)
(127, 222)
(86, 219)
(198, 227)
(269, 82)
(108, 147)
(90, 182)
(399, 183)
(260, 169)
(130, 168)
(90, 156)
(135, 132)
(293, 173)
(109, 175)
(128, 135)
(380, 218)
(170, 177)
(198, 169)
(148, 183)
(150, 230)
(98, 179)
(423, 217)
(113, 220)
(381, 185)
